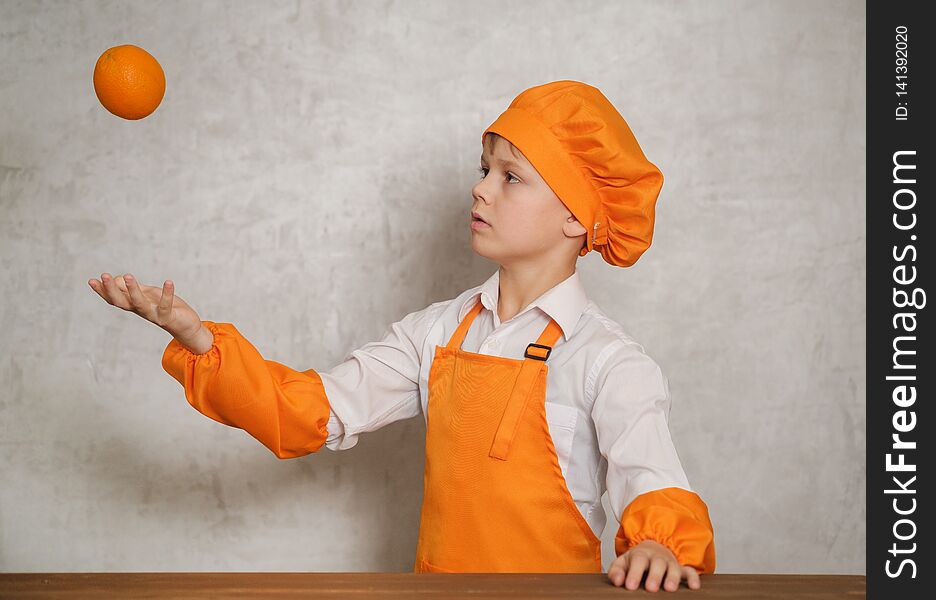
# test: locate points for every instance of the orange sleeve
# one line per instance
(674, 517)
(285, 410)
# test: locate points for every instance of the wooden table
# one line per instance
(408, 585)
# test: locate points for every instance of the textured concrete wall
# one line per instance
(306, 178)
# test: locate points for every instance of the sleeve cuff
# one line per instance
(176, 356)
(674, 517)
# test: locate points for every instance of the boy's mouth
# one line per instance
(476, 217)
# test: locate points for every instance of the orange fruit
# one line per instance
(129, 82)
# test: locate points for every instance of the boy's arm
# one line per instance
(294, 413)
(378, 383)
(285, 410)
(647, 486)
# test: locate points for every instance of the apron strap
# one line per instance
(534, 362)
(455, 341)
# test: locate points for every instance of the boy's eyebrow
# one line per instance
(507, 163)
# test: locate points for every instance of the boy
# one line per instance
(534, 399)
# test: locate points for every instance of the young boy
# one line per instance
(534, 400)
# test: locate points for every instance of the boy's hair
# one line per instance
(493, 137)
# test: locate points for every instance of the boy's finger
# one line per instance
(692, 577)
(97, 287)
(164, 308)
(673, 576)
(114, 295)
(618, 569)
(137, 299)
(657, 571)
(635, 571)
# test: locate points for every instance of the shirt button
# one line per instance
(492, 343)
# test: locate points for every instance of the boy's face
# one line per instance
(526, 220)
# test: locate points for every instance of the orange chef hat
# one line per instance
(584, 150)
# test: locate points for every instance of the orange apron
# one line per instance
(495, 499)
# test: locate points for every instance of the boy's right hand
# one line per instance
(159, 306)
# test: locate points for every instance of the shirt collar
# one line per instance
(564, 302)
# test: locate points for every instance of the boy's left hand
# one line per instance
(660, 561)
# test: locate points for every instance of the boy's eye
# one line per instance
(483, 172)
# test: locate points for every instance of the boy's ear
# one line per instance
(573, 228)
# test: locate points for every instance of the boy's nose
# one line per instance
(478, 197)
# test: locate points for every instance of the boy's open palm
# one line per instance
(159, 306)
(660, 564)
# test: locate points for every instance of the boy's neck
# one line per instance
(518, 286)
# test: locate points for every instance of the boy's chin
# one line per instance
(482, 249)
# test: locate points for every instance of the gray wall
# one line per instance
(306, 178)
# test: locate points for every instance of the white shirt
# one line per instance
(607, 401)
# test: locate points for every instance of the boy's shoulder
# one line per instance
(623, 355)
(453, 304)
(612, 347)
(600, 328)
(425, 319)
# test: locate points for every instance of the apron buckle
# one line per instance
(548, 350)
